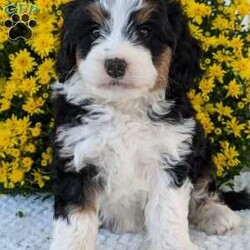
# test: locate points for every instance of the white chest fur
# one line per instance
(125, 146)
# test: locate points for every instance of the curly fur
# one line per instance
(128, 152)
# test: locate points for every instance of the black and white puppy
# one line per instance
(128, 152)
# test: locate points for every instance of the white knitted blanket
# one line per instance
(26, 224)
(33, 230)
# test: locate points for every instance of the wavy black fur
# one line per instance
(237, 200)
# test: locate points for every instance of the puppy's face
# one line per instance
(121, 48)
(124, 51)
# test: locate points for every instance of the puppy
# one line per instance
(128, 152)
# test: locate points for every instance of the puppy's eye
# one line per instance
(145, 33)
(95, 32)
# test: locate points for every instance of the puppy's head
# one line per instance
(126, 48)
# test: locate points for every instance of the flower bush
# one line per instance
(27, 68)
(223, 96)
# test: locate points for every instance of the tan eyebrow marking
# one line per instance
(97, 13)
(145, 13)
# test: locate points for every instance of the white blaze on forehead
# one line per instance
(119, 13)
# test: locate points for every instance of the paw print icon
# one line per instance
(20, 26)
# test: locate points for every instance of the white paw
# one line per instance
(193, 247)
(189, 246)
(216, 218)
(183, 246)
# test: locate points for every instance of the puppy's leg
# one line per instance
(77, 204)
(166, 214)
(209, 215)
(76, 232)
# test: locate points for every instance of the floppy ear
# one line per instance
(185, 67)
(67, 53)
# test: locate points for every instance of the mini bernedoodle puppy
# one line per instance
(128, 152)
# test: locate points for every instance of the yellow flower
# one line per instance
(18, 126)
(247, 131)
(222, 23)
(5, 104)
(233, 89)
(45, 95)
(42, 44)
(236, 43)
(10, 89)
(16, 175)
(23, 139)
(247, 98)
(60, 23)
(29, 85)
(228, 157)
(4, 34)
(205, 98)
(221, 57)
(59, 2)
(234, 127)
(33, 106)
(223, 110)
(47, 157)
(45, 5)
(242, 65)
(45, 71)
(206, 86)
(43, 18)
(3, 14)
(31, 148)
(243, 9)
(229, 151)
(22, 62)
(196, 100)
(196, 31)
(222, 39)
(217, 131)
(208, 42)
(27, 163)
(35, 132)
(43, 27)
(209, 108)
(206, 122)
(6, 137)
(15, 153)
(197, 11)
(217, 72)
(220, 163)
(240, 105)
(233, 162)
(44, 163)
(16, 76)
(4, 173)
(40, 179)
(237, 54)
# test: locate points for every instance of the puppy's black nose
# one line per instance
(116, 67)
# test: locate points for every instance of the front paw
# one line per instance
(183, 246)
(217, 219)
(191, 246)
